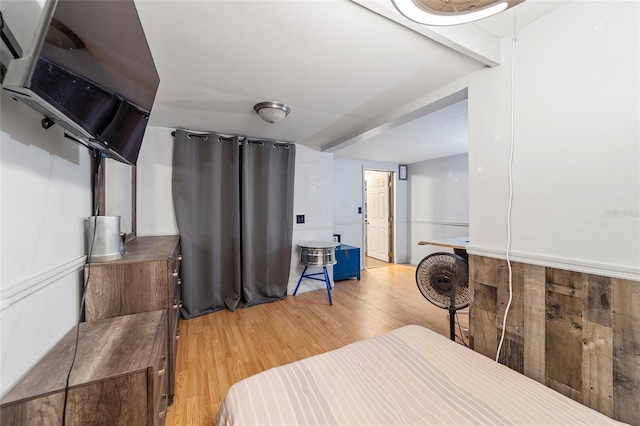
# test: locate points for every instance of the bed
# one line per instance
(409, 376)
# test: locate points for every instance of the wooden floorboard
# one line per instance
(370, 262)
(219, 349)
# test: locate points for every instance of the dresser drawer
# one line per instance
(174, 335)
(162, 402)
(176, 260)
(159, 374)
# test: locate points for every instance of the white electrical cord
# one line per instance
(513, 93)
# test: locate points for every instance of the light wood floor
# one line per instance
(370, 262)
(222, 348)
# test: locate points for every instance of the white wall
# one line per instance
(576, 166)
(154, 207)
(348, 196)
(118, 198)
(313, 195)
(348, 183)
(439, 202)
(46, 184)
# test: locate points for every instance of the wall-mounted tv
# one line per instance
(90, 70)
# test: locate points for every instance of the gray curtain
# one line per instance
(267, 219)
(206, 199)
(234, 207)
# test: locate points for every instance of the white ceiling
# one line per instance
(337, 65)
(440, 129)
(439, 134)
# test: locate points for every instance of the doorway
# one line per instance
(379, 212)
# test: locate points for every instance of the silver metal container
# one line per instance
(103, 241)
(318, 253)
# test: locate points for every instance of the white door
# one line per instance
(377, 214)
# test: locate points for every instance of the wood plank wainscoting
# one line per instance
(574, 332)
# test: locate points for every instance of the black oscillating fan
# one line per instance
(443, 279)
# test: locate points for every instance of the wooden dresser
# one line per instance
(117, 379)
(147, 278)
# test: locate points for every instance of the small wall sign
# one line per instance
(402, 172)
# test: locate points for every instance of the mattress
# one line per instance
(409, 376)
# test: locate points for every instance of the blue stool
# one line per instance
(315, 277)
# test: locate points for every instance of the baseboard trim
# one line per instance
(24, 289)
(595, 268)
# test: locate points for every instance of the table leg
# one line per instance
(300, 280)
(328, 282)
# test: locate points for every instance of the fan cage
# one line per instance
(443, 279)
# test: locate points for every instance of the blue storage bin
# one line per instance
(348, 262)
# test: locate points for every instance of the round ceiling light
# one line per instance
(272, 112)
(451, 12)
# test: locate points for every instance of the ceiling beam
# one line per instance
(468, 39)
(376, 130)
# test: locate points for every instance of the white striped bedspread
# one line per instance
(409, 376)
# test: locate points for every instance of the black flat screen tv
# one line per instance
(89, 69)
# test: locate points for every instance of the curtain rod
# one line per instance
(191, 133)
(261, 142)
(206, 135)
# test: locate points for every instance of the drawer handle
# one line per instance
(179, 257)
(162, 413)
(163, 359)
(179, 282)
(175, 274)
(178, 334)
(177, 306)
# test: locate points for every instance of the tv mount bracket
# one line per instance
(12, 44)
(10, 41)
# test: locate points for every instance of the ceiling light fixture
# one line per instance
(272, 112)
(451, 12)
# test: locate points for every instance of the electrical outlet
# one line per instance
(300, 218)
(359, 210)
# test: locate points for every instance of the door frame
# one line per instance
(392, 210)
